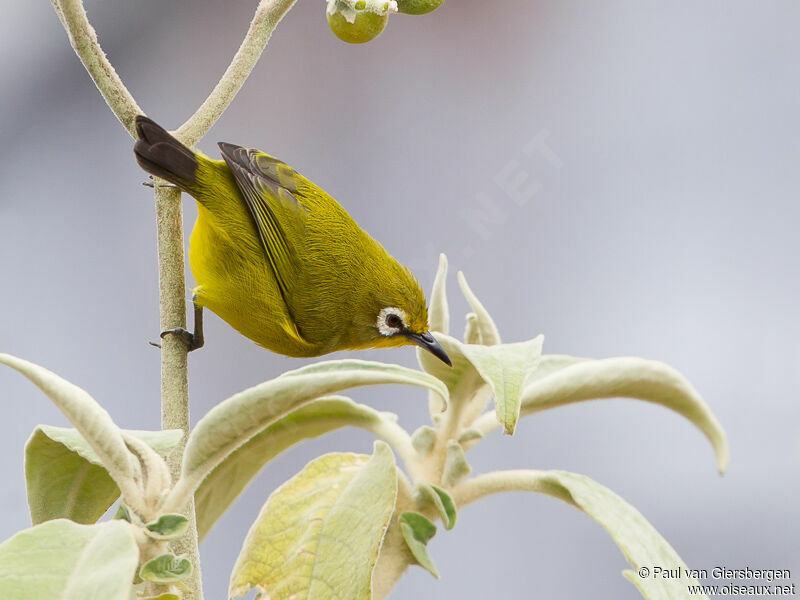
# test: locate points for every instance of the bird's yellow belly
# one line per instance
(240, 289)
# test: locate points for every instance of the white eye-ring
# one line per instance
(391, 320)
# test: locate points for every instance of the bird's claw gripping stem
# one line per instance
(194, 340)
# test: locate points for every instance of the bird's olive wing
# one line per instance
(267, 186)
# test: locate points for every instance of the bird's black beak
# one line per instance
(429, 343)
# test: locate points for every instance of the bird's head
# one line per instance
(399, 315)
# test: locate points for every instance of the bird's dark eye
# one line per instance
(394, 321)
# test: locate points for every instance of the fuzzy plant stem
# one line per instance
(174, 372)
(83, 39)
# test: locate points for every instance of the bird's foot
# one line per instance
(192, 341)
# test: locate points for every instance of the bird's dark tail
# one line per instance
(160, 154)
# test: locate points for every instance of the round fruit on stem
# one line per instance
(418, 7)
(360, 21)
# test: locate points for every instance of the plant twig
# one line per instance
(174, 372)
(520, 480)
(267, 16)
(83, 39)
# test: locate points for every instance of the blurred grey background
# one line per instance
(620, 176)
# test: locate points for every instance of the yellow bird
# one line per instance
(280, 260)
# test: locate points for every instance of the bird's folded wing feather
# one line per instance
(267, 185)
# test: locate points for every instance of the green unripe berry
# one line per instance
(418, 7)
(367, 25)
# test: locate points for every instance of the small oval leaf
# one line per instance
(423, 439)
(456, 466)
(167, 527)
(417, 531)
(166, 568)
(441, 501)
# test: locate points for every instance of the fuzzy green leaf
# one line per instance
(319, 534)
(469, 435)
(417, 531)
(91, 419)
(639, 541)
(579, 379)
(166, 568)
(505, 367)
(62, 560)
(224, 484)
(167, 527)
(487, 330)
(456, 466)
(441, 501)
(65, 477)
(438, 311)
(472, 334)
(236, 420)
(423, 439)
(63, 484)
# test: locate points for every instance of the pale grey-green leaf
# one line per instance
(438, 311)
(506, 367)
(62, 484)
(65, 477)
(489, 334)
(91, 419)
(440, 500)
(550, 363)
(166, 568)
(237, 419)
(471, 434)
(417, 531)
(456, 466)
(639, 541)
(318, 535)
(423, 439)
(472, 335)
(167, 527)
(162, 441)
(224, 484)
(629, 377)
(62, 560)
